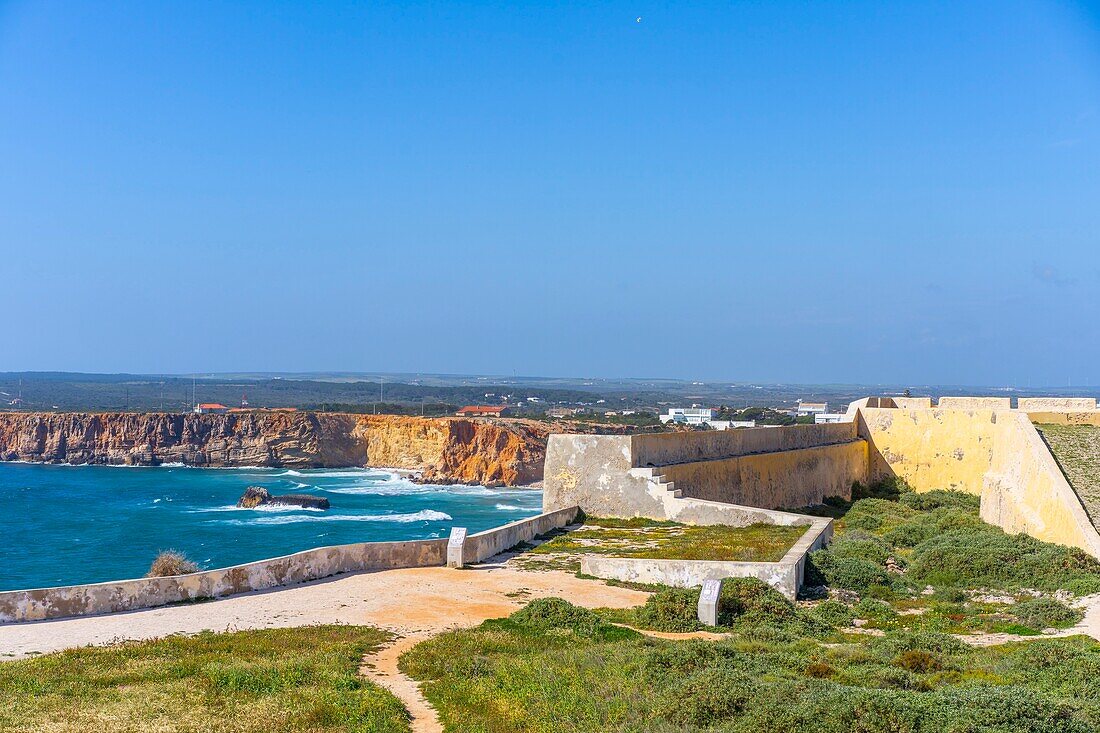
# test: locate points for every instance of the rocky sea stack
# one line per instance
(255, 496)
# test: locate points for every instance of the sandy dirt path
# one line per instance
(382, 669)
(415, 604)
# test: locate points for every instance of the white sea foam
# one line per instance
(426, 515)
(513, 508)
(320, 473)
(261, 508)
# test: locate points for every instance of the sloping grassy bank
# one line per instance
(293, 680)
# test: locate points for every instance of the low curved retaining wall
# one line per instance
(129, 595)
(483, 545)
(785, 576)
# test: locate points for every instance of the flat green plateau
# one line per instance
(1077, 450)
(645, 538)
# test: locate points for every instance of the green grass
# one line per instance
(643, 538)
(303, 679)
(546, 670)
(1077, 450)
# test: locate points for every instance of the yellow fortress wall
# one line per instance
(993, 453)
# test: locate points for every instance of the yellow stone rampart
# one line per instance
(975, 403)
(1056, 404)
(995, 454)
(1065, 418)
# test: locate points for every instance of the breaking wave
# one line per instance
(425, 515)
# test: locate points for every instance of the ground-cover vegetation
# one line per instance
(303, 679)
(550, 668)
(878, 648)
(927, 561)
(646, 538)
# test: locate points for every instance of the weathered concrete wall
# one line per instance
(788, 478)
(1056, 404)
(995, 454)
(1065, 418)
(660, 449)
(975, 403)
(766, 468)
(128, 595)
(593, 472)
(931, 449)
(484, 545)
(785, 576)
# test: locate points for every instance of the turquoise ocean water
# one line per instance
(61, 525)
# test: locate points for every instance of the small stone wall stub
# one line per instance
(456, 545)
(708, 602)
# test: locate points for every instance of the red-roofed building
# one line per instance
(483, 411)
(205, 408)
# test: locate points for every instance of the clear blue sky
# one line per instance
(857, 192)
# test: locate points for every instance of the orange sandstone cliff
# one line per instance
(447, 450)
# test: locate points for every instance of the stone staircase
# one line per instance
(656, 480)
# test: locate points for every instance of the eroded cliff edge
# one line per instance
(443, 450)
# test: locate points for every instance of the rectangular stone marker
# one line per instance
(456, 543)
(708, 602)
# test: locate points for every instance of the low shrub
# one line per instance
(171, 562)
(877, 515)
(819, 670)
(832, 613)
(875, 610)
(681, 659)
(557, 614)
(861, 545)
(850, 573)
(708, 696)
(891, 645)
(752, 601)
(918, 660)
(926, 525)
(938, 498)
(986, 557)
(1044, 613)
(671, 609)
(949, 595)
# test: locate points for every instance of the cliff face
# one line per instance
(292, 439)
(444, 450)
